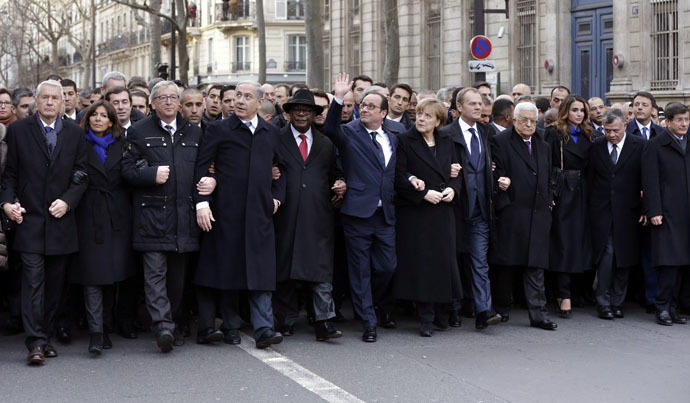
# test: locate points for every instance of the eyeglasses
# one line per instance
(165, 98)
(681, 120)
(371, 107)
(5, 103)
(304, 111)
(526, 120)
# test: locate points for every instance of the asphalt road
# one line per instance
(585, 360)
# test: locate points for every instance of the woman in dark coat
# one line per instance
(570, 247)
(427, 272)
(103, 222)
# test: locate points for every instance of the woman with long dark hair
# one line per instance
(569, 249)
(103, 222)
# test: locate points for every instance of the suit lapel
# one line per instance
(420, 148)
(37, 134)
(114, 155)
(60, 141)
(373, 153)
(316, 146)
(521, 149)
(624, 155)
(289, 142)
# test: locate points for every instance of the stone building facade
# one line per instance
(543, 43)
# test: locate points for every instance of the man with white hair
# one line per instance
(159, 163)
(43, 181)
(523, 209)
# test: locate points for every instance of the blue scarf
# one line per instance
(100, 144)
(575, 133)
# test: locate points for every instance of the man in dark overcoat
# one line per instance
(523, 214)
(43, 181)
(615, 204)
(666, 185)
(474, 209)
(159, 163)
(305, 225)
(238, 250)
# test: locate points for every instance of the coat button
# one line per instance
(46, 164)
(304, 167)
(304, 186)
(534, 173)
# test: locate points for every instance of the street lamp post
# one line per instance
(172, 44)
(93, 42)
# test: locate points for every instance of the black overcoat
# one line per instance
(304, 223)
(239, 252)
(462, 200)
(615, 200)
(523, 213)
(36, 180)
(425, 232)
(164, 215)
(570, 248)
(666, 184)
(104, 222)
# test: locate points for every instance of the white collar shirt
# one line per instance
(308, 134)
(465, 128)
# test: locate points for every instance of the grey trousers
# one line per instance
(43, 278)
(164, 277)
(99, 301)
(612, 281)
(286, 304)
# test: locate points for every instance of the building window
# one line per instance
(295, 9)
(664, 44)
(327, 62)
(241, 54)
(354, 10)
(433, 45)
(297, 53)
(355, 40)
(209, 67)
(526, 42)
(326, 15)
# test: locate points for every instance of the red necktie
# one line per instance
(303, 147)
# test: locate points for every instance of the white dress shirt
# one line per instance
(382, 138)
(619, 146)
(310, 138)
(254, 122)
(465, 128)
(648, 126)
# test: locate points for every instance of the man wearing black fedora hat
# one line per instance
(304, 226)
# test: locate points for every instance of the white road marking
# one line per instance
(324, 389)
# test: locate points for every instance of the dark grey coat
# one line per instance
(304, 223)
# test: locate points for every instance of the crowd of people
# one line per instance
(250, 202)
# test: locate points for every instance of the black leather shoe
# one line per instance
(127, 331)
(454, 319)
(63, 335)
(677, 319)
(107, 343)
(505, 317)
(605, 312)
(96, 343)
(664, 318)
(49, 351)
(426, 330)
(369, 335)
(544, 324)
(324, 330)
(209, 335)
(36, 356)
(617, 312)
(165, 341)
(386, 321)
(232, 336)
(269, 337)
(485, 318)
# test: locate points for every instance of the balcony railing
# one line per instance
(240, 11)
(122, 41)
(241, 66)
(295, 65)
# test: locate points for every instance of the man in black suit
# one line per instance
(304, 227)
(523, 213)
(666, 184)
(642, 126)
(43, 181)
(474, 211)
(596, 116)
(399, 99)
(367, 148)
(238, 248)
(69, 89)
(615, 210)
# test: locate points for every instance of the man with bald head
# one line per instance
(596, 114)
(521, 90)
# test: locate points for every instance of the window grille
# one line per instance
(664, 44)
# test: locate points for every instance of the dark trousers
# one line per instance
(341, 283)
(477, 240)
(164, 277)
(371, 262)
(563, 281)
(99, 301)
(428, 311)
(532, 282)
(130, 293)
(14, 285)
(668, 287)
(286, 301)
(649, 271)
(612, 281)
(260, 309)
(43, 278)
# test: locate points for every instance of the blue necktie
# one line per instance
(379, 150)
(474, 148)
(644, 133)
(51, 139)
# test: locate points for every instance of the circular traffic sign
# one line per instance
(480, 46)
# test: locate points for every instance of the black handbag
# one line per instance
(558, 176)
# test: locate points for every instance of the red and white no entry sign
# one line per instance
(480, 46)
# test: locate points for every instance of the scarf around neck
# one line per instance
(100, 144)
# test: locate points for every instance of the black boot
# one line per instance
(96, 343)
